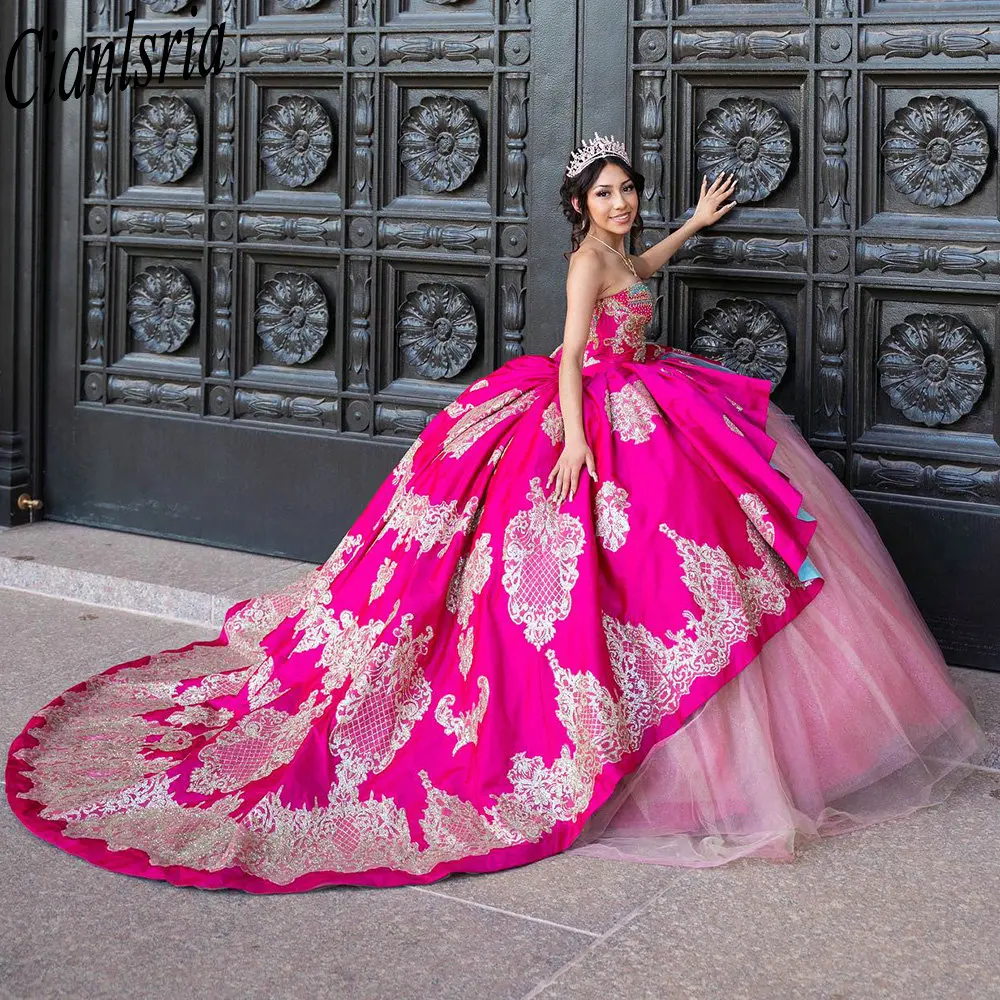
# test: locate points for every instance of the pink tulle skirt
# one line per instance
(847, 717)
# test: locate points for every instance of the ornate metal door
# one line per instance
(859, 271)
(270, 279)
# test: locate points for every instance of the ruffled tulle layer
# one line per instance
(846, 717)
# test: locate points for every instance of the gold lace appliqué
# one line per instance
(541, 548)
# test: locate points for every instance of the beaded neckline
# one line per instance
(621, 291)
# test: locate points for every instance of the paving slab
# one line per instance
(588, 894)
(72, 930)
(906, 910)
(47, 645)
(182, 580)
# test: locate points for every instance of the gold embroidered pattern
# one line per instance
(464, 726)
(477, 419)
(346, 835)
(84, 755)
(93, 742)
(257, 745)
(653, 673)
(755, 510)
(734, 598)
(541, 548)
(147, 817)
(465, 642)
(382, 578)
(627, 329)
(387, 696)
(403, 472)
(612, 523)
(631, 411)
(259, 617)
(200, 715)
(268, 693)
(418, 520)
(732, 426)
(346, 646)
(729, 399)
(552, 423)
(214, 686)
(541, 796)
(471, 573)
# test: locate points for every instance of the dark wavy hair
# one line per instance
(581, 184)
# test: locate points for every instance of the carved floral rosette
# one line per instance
(932, 367)
(161, 308)
(296, 140)
(165, 138)
(439, 143)
(748, 138)
(437, 329)
(293, 317)
(745, 336)
(936, 150)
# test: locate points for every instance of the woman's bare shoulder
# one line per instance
(586, 275)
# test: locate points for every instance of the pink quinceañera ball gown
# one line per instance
(707, 653)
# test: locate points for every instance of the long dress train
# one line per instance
(475, 670)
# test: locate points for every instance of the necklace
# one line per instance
(628, 261)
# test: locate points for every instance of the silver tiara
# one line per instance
(594, 148)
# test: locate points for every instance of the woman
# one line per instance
(507, 657)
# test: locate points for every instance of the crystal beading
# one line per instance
(592, 149)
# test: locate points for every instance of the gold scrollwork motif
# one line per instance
(464, 726)
(612, 524)
(382, 578)
(471, 573)
(476, 419)
(541, 548)
(257, 745)
(552, 423)
(388, 695)
(628, 335)
(631, 411)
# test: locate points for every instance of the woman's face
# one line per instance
(612, 200)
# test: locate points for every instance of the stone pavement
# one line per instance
(908, 909)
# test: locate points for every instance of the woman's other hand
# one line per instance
(712, 202)
(566, 471)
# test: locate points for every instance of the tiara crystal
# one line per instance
(594, 148)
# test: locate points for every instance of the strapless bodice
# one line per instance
(618, 326)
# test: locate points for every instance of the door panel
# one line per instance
(269, 280)
(860, 270)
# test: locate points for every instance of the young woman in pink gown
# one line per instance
(609, 601)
